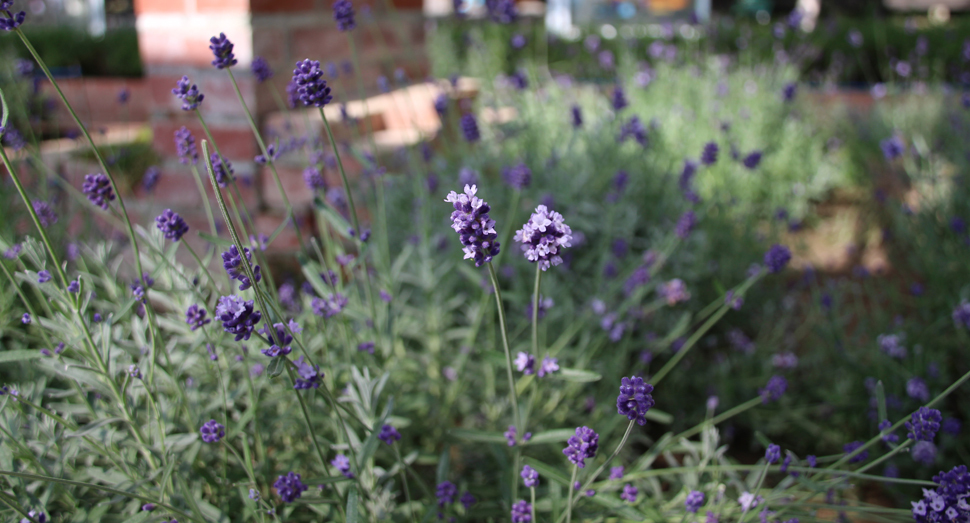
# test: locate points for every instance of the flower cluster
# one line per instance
(446, 492)
(961, 315)
(222, 170)
(237, 316)
(195, 316)
(232, 261)
(674, 291)
(851, 447)
(525, 363)
(212, 431)
(45, 214)
(544, 237)
(582, 446)
(10, 21)
(329, 307)
(693, 501)
(685, 225)
(474, 227)
(709, 154)
(521, 512)
(289, 487)
(188, 93)
(188, 153)
(517, 176)
(774, 389)
(629, 493)
(172, 225)
(949, 502)
(343, 14)
(634, 399)
(309, 375)
(98, 189)
(469, 128)
(389, 434)
(773, 453)
(261, 69)
(280, 343)
(777, 258)
(924, 424)
(342, 463)
(892, 345)
(529, 476)
(222, 49)
(310, 87)
(150, 180)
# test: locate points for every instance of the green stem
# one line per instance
(757, 488)
(569, 502)
(592, 478)
(404, 480)
(899, 448)
(535, 315)
(505, 344)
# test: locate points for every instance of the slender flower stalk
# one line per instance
(569, 499)
(535, 315)
(594, 475)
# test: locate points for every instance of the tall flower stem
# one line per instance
(761, 481)
(532, 496)
(404, 481)
(513, 397)
(599, 470)
(569, 501)
(535, 315)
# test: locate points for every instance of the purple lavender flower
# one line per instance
(892, 147)
(281, 341)
(237, 316)
(271, 155)
(674, 291)
(634, 128)
(98, 189)
(961, 314)
(232, 261)
(548, 366)
(74, 287)
(474, 227)
(773, 390)
(529, 476)
(916, 389)
(212, 431)
(634, 399)
(709, 154)
(314, 179)
(517, 176)
(685, 224)
(222, 170)
(733, 301)
(948, 502)
(195, 317)
(289, 487)
(851, 447)
(329, 307)
(892, 345)
(25, 319)
(441, 104)
(172, 225)
(342, 463)
(501, 11)
(924, 453)
(467, 500)
(366, 346)
(310, 85)
(521, 512)
(952, 426)
(45, 214)
(148, 507)
(446, 492)
(188, 93)
(343, 14)
(924, 424)
(544, 237)
(261, 69)
(773, 454)
(185, 146)
(12, 137)
(577, 116)
(222, 49)
(43, 276)
(469, 127)
(789, 91)
(25, 68)
(619, 99)
(525, 363)
(777, 258)
(855, 38)
(752, 160)
(629, 493)
(693, 501)
(582, 446)
(389, 434)
(150, 180)
(309, 375)
(616, 473)
(10, 21)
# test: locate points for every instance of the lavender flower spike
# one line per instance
(222, 49)
(188, 93)
(634, 399)
(237, 316)
(543, 237)
(343, 14)
(474, 227)
(310, 85)
(98, 189)
(172, 225)
(261, 69)
(8, 20)
(232, 261)
(581, 446)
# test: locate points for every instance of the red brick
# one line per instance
(236, 143)
(174, 46)
(316, 44)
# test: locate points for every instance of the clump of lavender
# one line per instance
(521, 512)
(529, 476)
(773, 453)
(329, 307)
(892, 147)
(777, 258)
(629, 494)
(916, 388)
(10, 21)
(43, 276)
(314, 179)
(709, 154)
(261, 69)
(582, 446)
(150, 180)
(577, 116)
(469, 127)
(441, 104)
(389, 434)
(343, 14)
(45, 214)
(517, 176)
(280, 344)
(634, 129)
(310, 86)
(185, 146)
(789, 91)
(98, 189)
(289, 487)
(237, 316)
(924, 424)
(693, 501)
(685, 225)
(212, 431)
(924, 452)
(544, 237)
(172, 225)
(446, 492)
(851, 447)
(948, 502)
(188, 93)
(232, 261)
(474, 227)
(674, 291)
(619, 99)
(892, 345)
(752, 160)
(525, 363)
(774, 389)
(309, 375)
(548, 366)
(222, 170)
(222, 50)
(195, 317)
(634, 399)
(502, 11)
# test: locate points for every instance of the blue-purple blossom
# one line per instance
(474, 227)
(185, 146)
(634, 399)
(788, 92)
(635, 129)
(629, 493)
(25, 319)
(693, 501)
(467, 500)
(188, 93)
(961, 314)
(43, 276)
(366, 346)
(581, 446)
(501, 11)
(517, 176)
(150, 180)
(529, 476)
(948, 502)
(98, 189)
(310, 86)
(773, 390)
(222, 170)
(212, 431)
(172, 225)
(773, 453)
(74, 287)
(777, 258)
(222, 50)
(577, 116)
(233, 263)
(446, 492)
(924, 424)
(261, 69)
(45, 214)
(343, 14)
(888, 437)
(329, 307)
(314, 179)
(389, 434)
(924, 452)
(8, 20)
(685, 224)
(342, 463)
(916, 388)
(237, 316)
(548, 366)
(851, 447)
(525, 363)
(616, 473)
(544, 237)
(952, 426)
(619, 99)
(752, 160)
(309, 375)
(674, 291)
(289, 487)
(709, 154)
(521, 512)
(469, 128)
(195, 316)
(892, 147)
(892, 345)
(280, 343)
